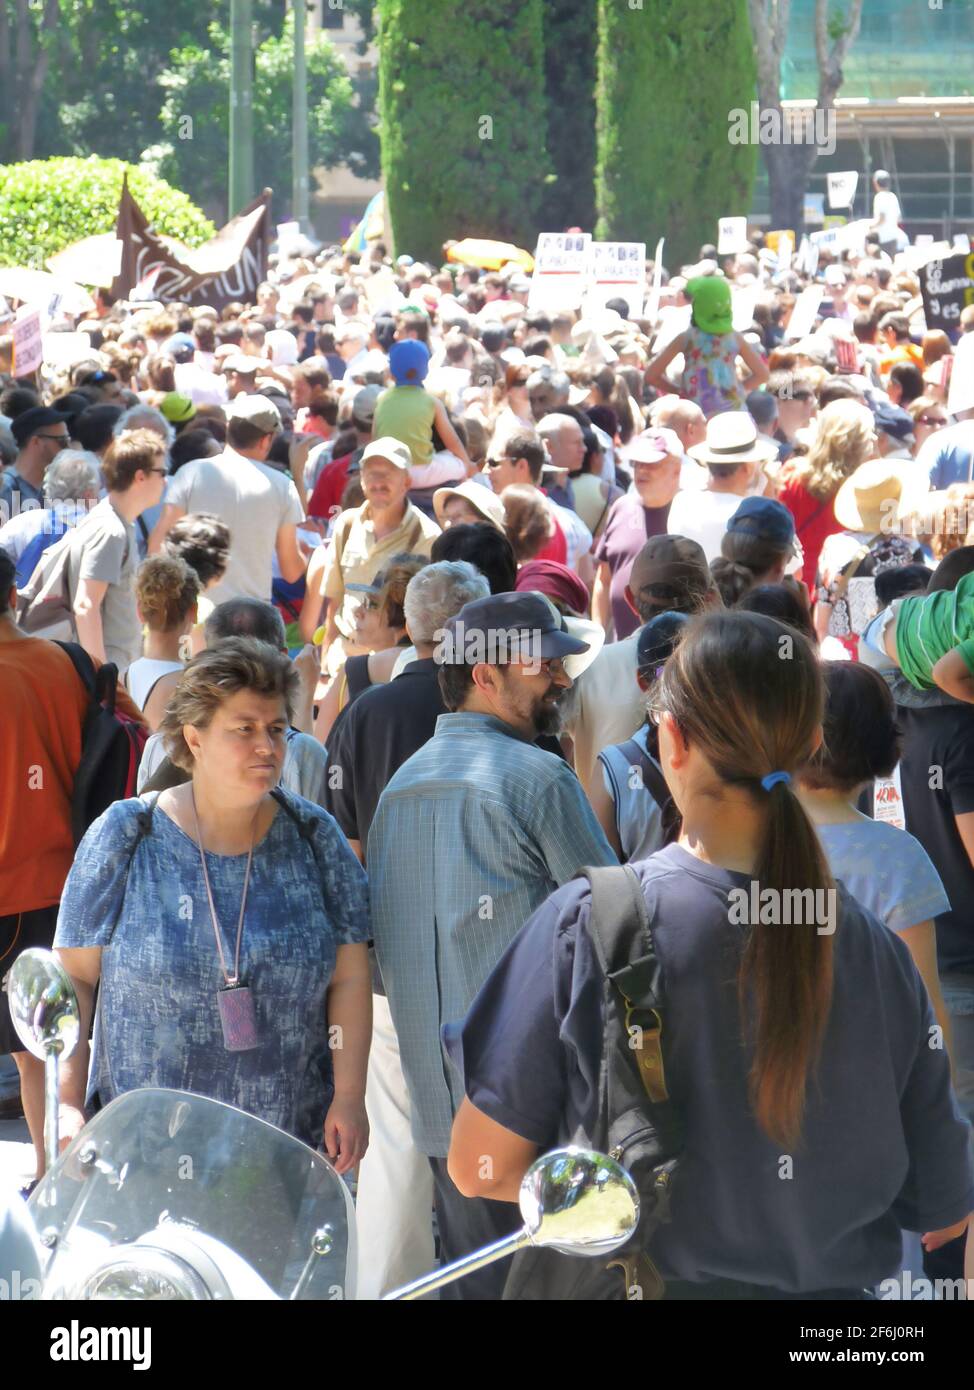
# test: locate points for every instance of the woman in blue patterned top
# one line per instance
(227, 922)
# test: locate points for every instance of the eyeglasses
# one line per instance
(163, 472)
(372, 604)
(64, 439)
(496, 463)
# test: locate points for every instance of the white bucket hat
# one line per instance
(732, 437)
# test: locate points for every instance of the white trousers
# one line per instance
(394, 1203)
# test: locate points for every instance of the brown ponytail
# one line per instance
(749, 693)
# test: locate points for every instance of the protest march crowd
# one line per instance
(431, 591)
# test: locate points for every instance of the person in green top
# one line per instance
(930, 636)
(408, 413)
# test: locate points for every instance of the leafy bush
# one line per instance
(47, 204)
(668, 76)
(461, 91)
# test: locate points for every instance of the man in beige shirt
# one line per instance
(365, 539)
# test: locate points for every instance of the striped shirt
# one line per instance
(470, 836)
(928, 626)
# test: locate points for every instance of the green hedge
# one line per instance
(668, 76)
(47, 204)
(449, 76)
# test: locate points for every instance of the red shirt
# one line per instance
(814, 520)
(557, 548)
(329, 488)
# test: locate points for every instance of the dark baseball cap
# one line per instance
(35, 421)
(892, 420)
(765, 519)
(507, 628)
(674, 561)
(656, 641)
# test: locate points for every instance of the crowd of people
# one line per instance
(426, 596)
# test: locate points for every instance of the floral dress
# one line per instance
(710, 371)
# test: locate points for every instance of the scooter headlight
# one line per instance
(152, 1276)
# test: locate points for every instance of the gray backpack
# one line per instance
(636, 1122)
(44, 607)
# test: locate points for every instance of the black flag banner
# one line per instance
(228, 268)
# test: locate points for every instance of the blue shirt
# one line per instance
(886, 870)
(470, 835)
(883, 1145)
(948, 455)
(158, 1022)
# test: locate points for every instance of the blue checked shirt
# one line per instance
(472, 833)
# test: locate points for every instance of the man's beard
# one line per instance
(548, 718)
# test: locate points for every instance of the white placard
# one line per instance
(656, 293)
(617, 271)
(28, 341)
(962, 244)
(850, 237)
(842, 188)
(64, 349)
(888, 800)
(786, 250)
(743, 301)
(805, 313)
(806, 261)
(561, 268)
(731, 236)
(813, 208)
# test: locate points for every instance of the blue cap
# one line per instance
(409, 361)
(180, 346)
(656, 641)
(892, 420)
(765, 519)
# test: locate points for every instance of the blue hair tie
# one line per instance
(773, 778)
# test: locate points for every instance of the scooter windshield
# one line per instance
(168, 1195)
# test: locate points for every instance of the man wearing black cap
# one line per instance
(41, 434)
(469, 836)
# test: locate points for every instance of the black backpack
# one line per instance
(636, 1122)
(111, 745)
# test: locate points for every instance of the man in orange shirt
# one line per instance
(44, 704)
(894, 334)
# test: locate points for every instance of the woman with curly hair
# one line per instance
(845, 437)
(166, 591)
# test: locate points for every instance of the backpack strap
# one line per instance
(622, 938)
(655, 783)
(101, 684)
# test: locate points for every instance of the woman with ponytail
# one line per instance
(796, 1037)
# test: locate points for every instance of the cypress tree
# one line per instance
(461, 92)
(569, 52)
(669, 75)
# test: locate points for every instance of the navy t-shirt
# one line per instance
(884, 1144)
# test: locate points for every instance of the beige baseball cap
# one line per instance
(256, 410)
(394, 451)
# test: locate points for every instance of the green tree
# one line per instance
(668, 77)
(569, 58)
(195, 116)
(46, 204)
(461, 94)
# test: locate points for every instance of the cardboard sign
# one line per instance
(64, 349)
(947, 286)
(731, 236)
(806, 261)
(28, 342)
(888, 800)
(846, 355)
(786, 250)
(561, 267)
(805, 313)
(842, 188)
(618, 271)
(849, 237)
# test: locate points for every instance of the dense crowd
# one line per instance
(425, 598)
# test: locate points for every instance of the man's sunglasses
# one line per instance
(64, 439)
(497, 463)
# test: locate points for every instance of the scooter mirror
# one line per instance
(579, 1202)
(43, 1005)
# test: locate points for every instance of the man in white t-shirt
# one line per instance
(886, 213)
(258, 503)
(733, 454)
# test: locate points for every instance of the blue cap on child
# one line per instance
(409, 362)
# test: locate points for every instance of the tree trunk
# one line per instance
(788, 169)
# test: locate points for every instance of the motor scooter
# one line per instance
(169, 1196)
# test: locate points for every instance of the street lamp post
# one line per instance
(241, 189)
(299, 122)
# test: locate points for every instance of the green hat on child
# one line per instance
(711, 298)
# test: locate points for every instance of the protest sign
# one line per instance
(743, 301)
(806, 261)
(947, 286)
(805, 312)
(64, 349)
(617, 271)
(561, 267)
(842, 188)
(849, 237)
(731, 236)
(28, 342)
(813, 208)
